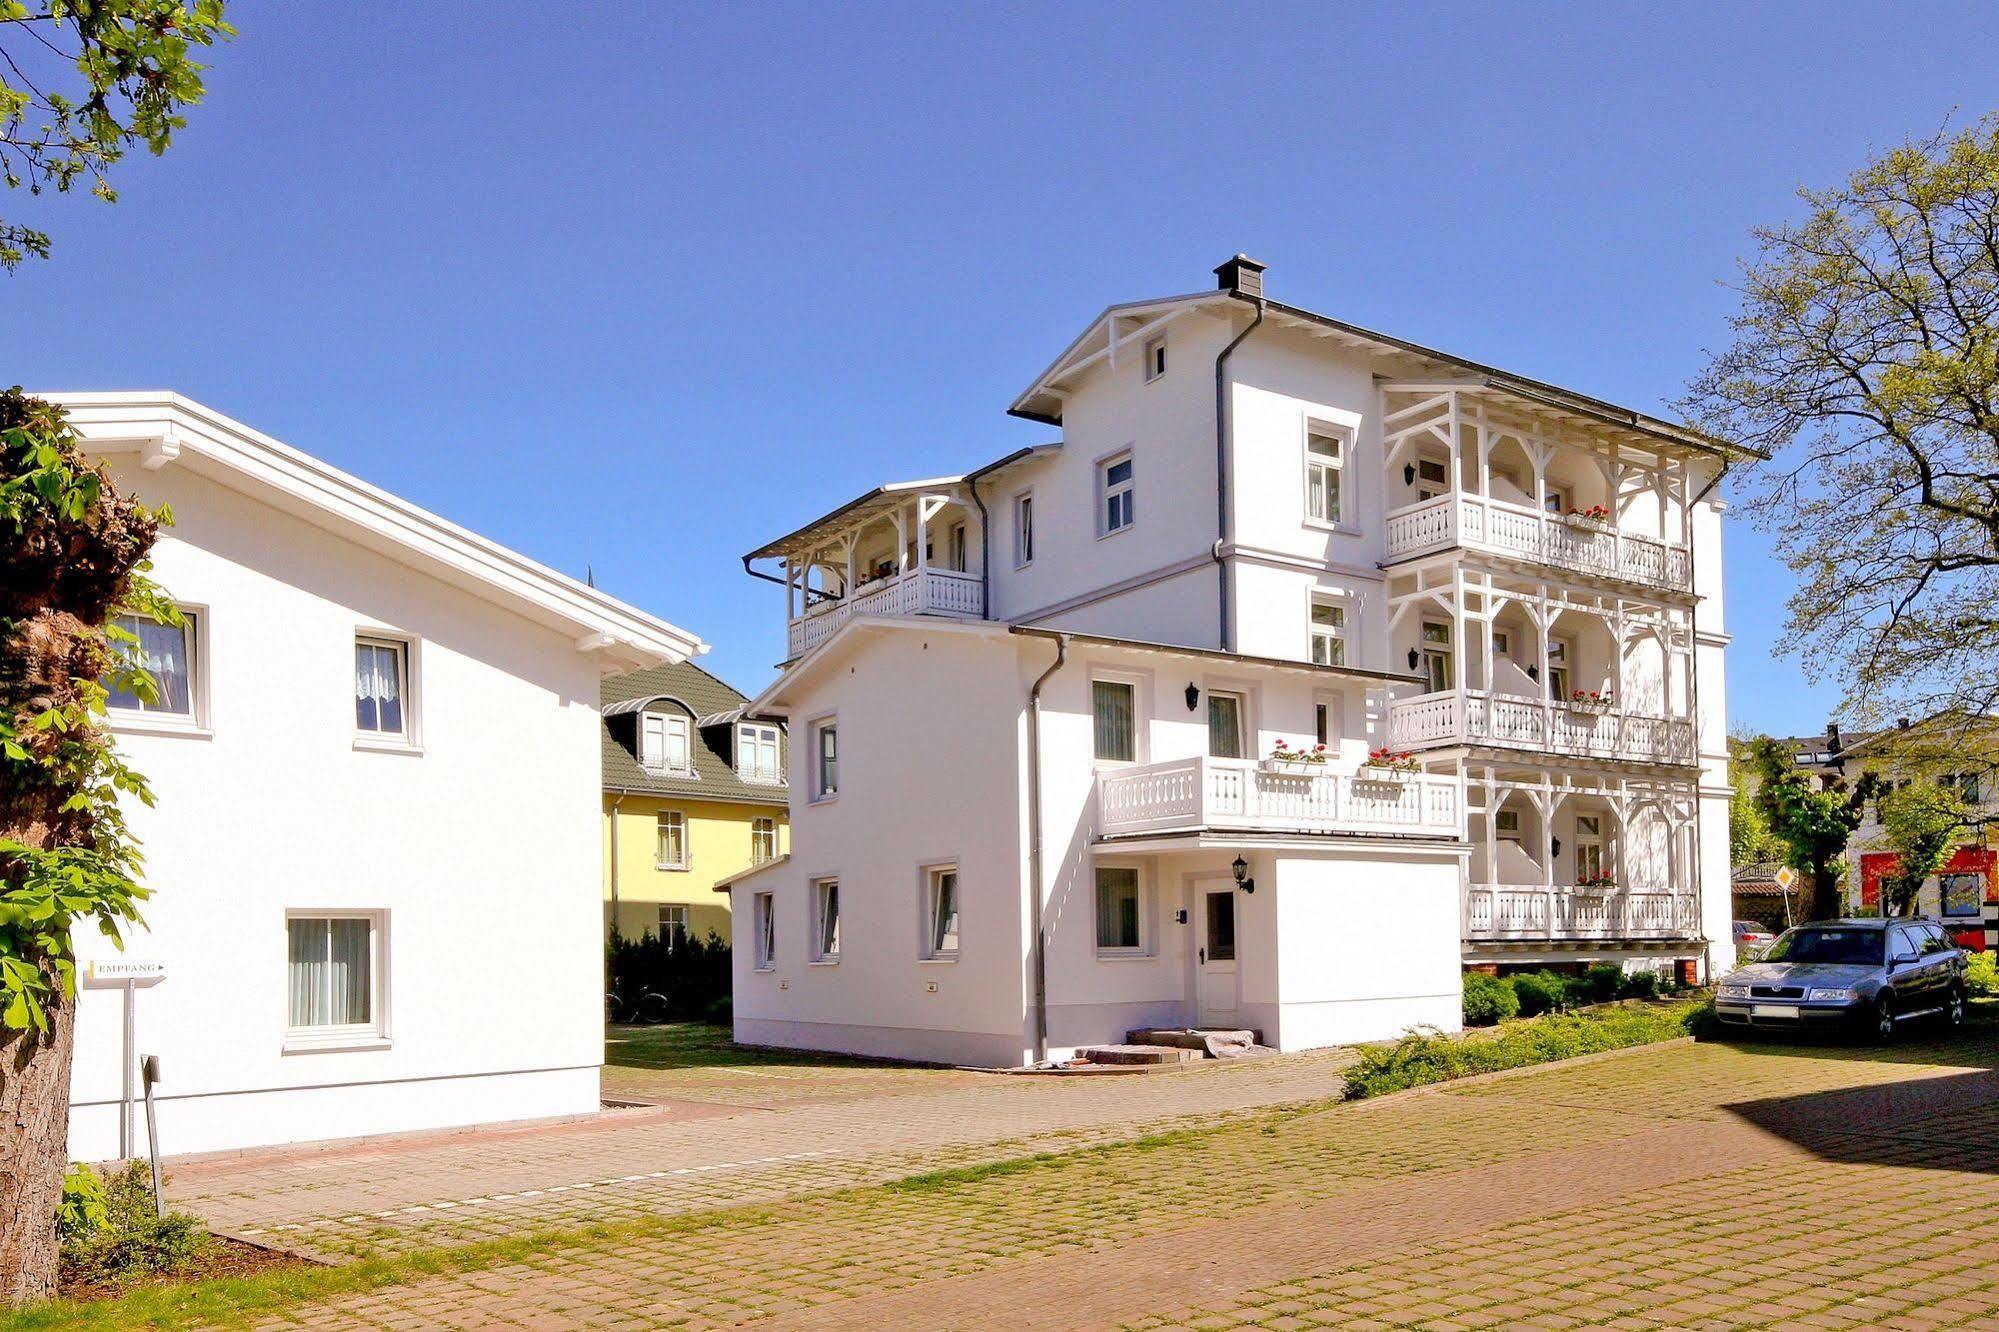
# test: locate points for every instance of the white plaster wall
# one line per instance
(483, 850)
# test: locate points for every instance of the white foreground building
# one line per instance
(1035, 708)
(375, 856)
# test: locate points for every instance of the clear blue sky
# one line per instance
(640, 287)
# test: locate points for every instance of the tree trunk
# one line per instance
(1825, 893)
(34, 1147)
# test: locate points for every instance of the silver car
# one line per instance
(1869, 975)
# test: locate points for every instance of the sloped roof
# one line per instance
(703, 696)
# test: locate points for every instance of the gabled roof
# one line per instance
(1401, 357)
(165, 429)
(686, 688)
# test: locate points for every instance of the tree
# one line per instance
(75, 555)
(1750, 840)
(1921, 823)
(1811, 819)
(81, 82)
(1865, 360)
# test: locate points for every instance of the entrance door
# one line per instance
(1216, 982)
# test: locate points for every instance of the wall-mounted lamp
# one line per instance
(1409, 474)
(1193, 696)
(1241, 871)
(1534, 673)
(1414, 657)
(1555, 845)
(1180, 916)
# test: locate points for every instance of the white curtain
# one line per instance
(162, 652)
(330, 981)
(1114, 722)
(378, 688)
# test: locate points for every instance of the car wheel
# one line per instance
(1954, 1010)
(1884, 1019)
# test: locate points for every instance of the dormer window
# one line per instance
(664, 743)
(757, 753)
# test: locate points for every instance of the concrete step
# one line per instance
(1140, 1054)
(1213, 1042)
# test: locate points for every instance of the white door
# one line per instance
(1216, 981)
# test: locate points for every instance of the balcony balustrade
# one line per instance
(911, 592)
(1476, 717)
(1523, 533)
(1210, 793)
(1531, 912)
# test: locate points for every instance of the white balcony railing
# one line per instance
(1475, 717)
(1507, 912)
(912, 592)
(1524, 533)
(1191, 793)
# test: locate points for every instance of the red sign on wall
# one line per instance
(1979, 862)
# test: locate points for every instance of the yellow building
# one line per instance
(693, 793)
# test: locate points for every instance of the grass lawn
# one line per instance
(697, 1061)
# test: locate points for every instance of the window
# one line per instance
(757, 753)
(1437, 655)
(166, 652)
(1558, 669)
(1225, 737)
(1155, 359)
(1502, 643)
(826, 760)
(1935, 941)
(826, 920)
(1115, 485)
(1023, 529)
(664, 743)
(763, 920)
(1114, 712)
(1329, 632)
(672, 840)
(1553, 500)
(381, 686)
(1964, 785)
(1433, 478)
(334, 961)
(763, 840)
(1506, 823)
(1325, 456)
(1322, 723)
(957, 548)
(1589, 847)
(940, 912)
(1120, 914)
(1961, 894)
(672, 926)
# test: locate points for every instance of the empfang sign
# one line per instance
(126, 969)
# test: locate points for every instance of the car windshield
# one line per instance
(1847, 947)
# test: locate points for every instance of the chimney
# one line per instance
(1832, 736)
(1241, 276)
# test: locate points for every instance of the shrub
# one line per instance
(692, 974)
(1598, 985)
(1981, 974)
(1639, 985)
(1425, 1056)
(130, 1240)
(1488, 999)
(1540, 992)
(85, 1209)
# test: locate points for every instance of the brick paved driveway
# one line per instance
(1684, 1186)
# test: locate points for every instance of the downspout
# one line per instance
(1694, 697)
(773, 578)
(614, 858)
(1222, 440)
(1034, 877)
(985, 549)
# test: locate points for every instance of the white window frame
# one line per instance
(757, 831)
(1590, 852)
(1560, 661)
(1143, 886)
(1554, 499)
(1243, 730)
(671, 818)
(1506, 825)
(1332, 706)
(669, 721)
(372, 1034)
(674, 916)
(193, 722)
(1342, 635)
(821, 792)
(929, 950)
(824, 892)
(1430, 650)
(957, 549)
(405, 648)
(1139, 715)
(1335, 468)
(1438, 486)
(1023, 529)
(752, 731)
(1155, 358)
(763, 930)
(1127, 490)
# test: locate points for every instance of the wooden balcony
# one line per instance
(912, 592)
(1519, 532)
(1509, 721)
(1191, 794)
(1505, 913)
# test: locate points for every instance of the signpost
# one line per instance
(128, 974)
(1786, 876)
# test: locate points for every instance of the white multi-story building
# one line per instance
(374, 860)
(1040, 709)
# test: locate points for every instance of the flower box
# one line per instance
(1284, 757)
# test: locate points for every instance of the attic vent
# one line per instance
(1241, 275)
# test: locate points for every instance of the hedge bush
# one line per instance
(1427, 1056)
(1488, 999)
(1540, 992)
(1981, 974)
(110, 1233)
(692, 975)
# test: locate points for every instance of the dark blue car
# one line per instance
(1869, 975)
